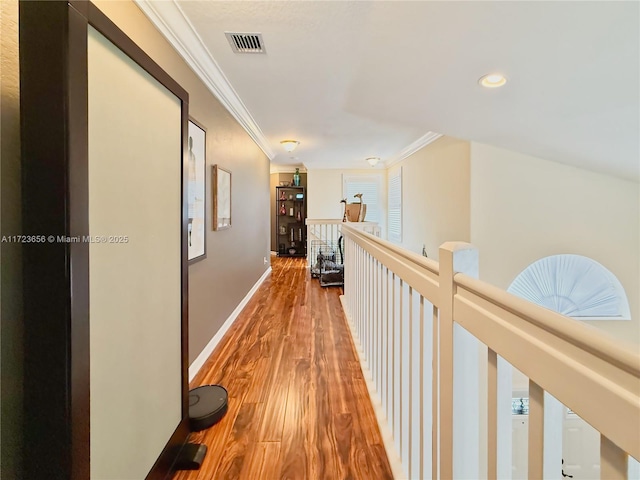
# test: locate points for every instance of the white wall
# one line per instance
(435, 195)
(324, 192)
(525, 208)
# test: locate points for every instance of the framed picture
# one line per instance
(196, 230)
(221, 198)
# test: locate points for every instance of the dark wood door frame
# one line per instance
(54, 142)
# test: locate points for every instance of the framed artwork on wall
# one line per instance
(221, 198)
(196, 230)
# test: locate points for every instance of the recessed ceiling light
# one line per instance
(492, 80)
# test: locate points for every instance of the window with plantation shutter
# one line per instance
(574, 286)
(369, 186)
(394, 210)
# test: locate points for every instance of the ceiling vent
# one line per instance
(246, 42)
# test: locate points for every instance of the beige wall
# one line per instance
(435, 195)
(325, 193)
(133, 296)
(525, 208)
(235, 256)
(10, 253)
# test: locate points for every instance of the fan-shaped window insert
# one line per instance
(575, 286)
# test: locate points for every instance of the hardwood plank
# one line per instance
(299, 406)
(260, 379)
(239, 442)
(273, 419)
(275, 398)
(294, 449)
(378, 463)
(263, 461)
(344, 439)
(323, 378)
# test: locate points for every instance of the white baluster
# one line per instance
(410, 389)
(400, 372)
(390, 347)
(370, 315)
(505, 419)
(376, 351)
(492, 415)
(421, 397)
(435, 395)
(394, 364)
(380, 322)
(553, 421)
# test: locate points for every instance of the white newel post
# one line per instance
(459, 372)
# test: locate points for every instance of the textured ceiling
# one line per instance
(353, 79)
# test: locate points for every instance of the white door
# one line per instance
(520, 442)
(580, 448)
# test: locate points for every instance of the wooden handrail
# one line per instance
(587, 338)
(418, 260)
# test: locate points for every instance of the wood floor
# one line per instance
(298, 403)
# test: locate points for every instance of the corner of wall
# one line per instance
(436, 195)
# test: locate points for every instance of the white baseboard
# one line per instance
(197, 364)
(395, 461)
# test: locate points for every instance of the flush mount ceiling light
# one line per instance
(492, 80)
(289, 145)
(373, 161)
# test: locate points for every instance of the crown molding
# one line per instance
(174, 25)
(422, 142)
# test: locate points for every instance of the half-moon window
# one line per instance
(575, 286)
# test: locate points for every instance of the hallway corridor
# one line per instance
(298, 403)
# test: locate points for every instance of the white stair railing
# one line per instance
(424, 332)
(327, 232)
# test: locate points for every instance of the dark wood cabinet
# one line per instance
(291, 212)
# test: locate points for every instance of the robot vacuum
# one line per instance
(207, 406)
